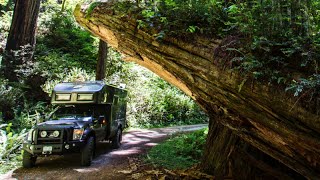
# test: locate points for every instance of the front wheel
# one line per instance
(28, 160)
(116, 141)
(87, 152)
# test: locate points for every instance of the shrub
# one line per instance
(66, 42)
(10, 147)
(75, 74)
(179, 152)
(155, 103)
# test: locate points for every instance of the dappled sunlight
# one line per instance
(137, 142)
(151, 144)
(133, 150)
(134, 142)
(86, 170)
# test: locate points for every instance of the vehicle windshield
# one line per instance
(71, 113)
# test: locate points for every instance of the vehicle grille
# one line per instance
(49, 139)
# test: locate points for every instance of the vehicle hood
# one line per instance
(63, 123)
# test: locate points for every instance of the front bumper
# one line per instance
(54, 149)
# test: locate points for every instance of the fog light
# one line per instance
(67, 146)
(43, 134)
(55, 134)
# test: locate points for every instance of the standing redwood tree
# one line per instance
(102, 57)
(17, 64)
(21, 38)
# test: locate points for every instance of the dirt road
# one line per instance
(108, 163)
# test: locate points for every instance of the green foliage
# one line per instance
(311, 84)
(281, 40)
(9, 94)
(30, 114)
(4, 29)
(67, 44)
(91, 8)
(155, 103)
(13, 134)
(178, 17)
(10, 147)
(183, 17)
(73, 75)
(179, 152)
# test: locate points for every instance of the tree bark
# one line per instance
(263, 117)
(17, 63)
(21, 38)
(102, 57)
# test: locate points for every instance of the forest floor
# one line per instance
(123, 163)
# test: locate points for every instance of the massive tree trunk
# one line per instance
(102, 57)
(21, 38)
(259, 125)
(17, 64)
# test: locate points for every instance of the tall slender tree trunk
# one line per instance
(102, 57)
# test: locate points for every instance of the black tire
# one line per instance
(87, 152)
(28, 160)
(116, 141)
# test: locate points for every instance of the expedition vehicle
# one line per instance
(87, 113)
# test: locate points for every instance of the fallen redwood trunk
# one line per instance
(261, 119)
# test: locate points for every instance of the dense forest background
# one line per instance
(65, 52)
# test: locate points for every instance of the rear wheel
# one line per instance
(116, 141)
(87, 152)
(28, 160)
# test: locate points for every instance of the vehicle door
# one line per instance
(99, 126)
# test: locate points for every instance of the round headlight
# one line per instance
(43, 134)
(55, 134)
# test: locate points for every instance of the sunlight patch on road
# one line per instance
(86, 170)
(134, 142)
(151, 144)
(126, 151)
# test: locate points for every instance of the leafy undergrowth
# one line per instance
(10, 148)
(180, 152)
